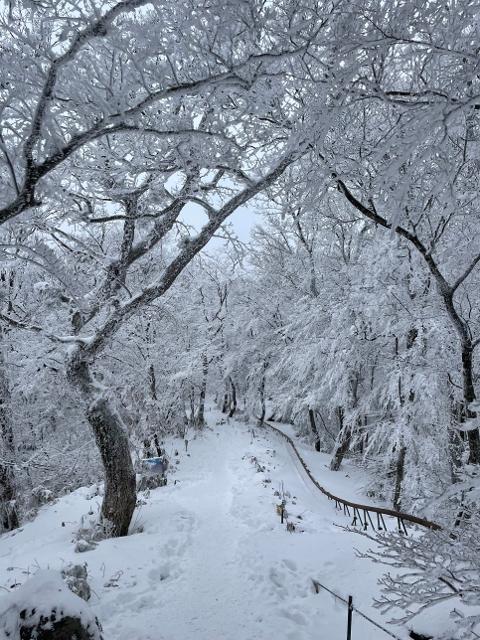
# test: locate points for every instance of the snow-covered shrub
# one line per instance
(41, 496)
(435, 568)
(76, 578)
(44, 608)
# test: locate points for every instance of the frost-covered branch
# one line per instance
(433, 568)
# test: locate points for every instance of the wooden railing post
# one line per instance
(349, 618)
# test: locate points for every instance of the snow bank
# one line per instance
(45, 603)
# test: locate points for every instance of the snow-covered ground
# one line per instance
(213, 561)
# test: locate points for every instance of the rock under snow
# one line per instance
(45, 609)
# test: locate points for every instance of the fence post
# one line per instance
(349, 618)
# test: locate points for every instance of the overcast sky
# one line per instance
(243, 221)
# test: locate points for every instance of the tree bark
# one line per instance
(343, 442)
(261, 392)
(346, 431)
(313, 426)
(402, 450)
(120, 490)
(8, 511)
(469, 396)
(455, 447)
(200, 419)
(158, 447)
(152, 382)
(399, 476)
(112, 441)
(225, 402)
(233, 399)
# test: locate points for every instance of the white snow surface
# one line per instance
(213, 561)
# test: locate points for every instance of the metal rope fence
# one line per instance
(362, 514)
(350, 610)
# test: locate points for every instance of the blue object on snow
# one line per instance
(155, 466)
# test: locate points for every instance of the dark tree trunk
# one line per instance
(343, 442)
(469, 397)
(261, 393)
(402, 399)
(233, 399)
(455, 440)
(151, 443)
(8, 510)
(192, 416)
(152, 382)
(346, 431)
(225, 402)
(156, 442)
(112, 441)
(200, 419)
(313, 426)
(147, 448)
(399, 476)
(120, 490)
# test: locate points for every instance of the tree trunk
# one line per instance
(455, 447)
(399, 476)
(346, 431)
(112, 441)
(313, 426)
(150, 443)
(233, 400)
(147, 448)
(225, 402)
(156, 442)
(343, 442)
(261, 392)
(402, 399)
(469, 397)
(8, 511)
(200, 419)
(120, 484)
(152, 382)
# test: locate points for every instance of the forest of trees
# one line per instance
(131, 130)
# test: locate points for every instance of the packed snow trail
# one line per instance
(213, 561)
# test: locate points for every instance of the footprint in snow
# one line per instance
(160, 573)
(184, 521)
(290, 564)
(286, 580)
(294, 616)
(170, 547)
(278, 579)
(146, 602)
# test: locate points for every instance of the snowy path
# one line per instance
(213, 561)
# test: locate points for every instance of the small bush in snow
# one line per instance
(41, 496)
(76, 579)
(434, 568)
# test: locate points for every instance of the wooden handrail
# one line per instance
(357, 507)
